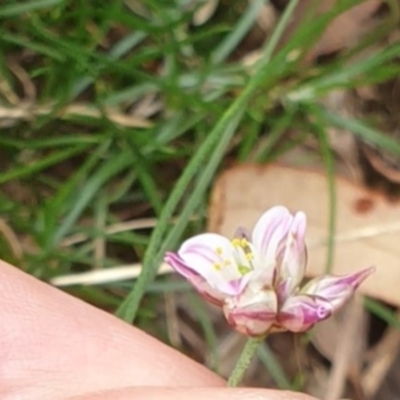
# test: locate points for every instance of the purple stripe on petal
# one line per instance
(336, 289)
(298, 228)
(242, 233)
(251, 323)
(199, 283)
(251, 313)
(284, 289)
(235, 286)
(208, 293)
(179, 266)
(271, 227)
(213, 257)
(300, 313)
(256, 315)
(209, 255)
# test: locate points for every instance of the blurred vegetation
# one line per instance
(121, 111)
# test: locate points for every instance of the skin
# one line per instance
(55, 347)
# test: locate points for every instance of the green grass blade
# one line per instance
(24, 7)
(360, 129)
(45, 162)
(210, 335)
(108, 170)
(267, 357)
(55, 207)
(245, 23)
(218, 139)
(330, 173)
(382, 311)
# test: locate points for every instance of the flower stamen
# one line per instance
(244, 269)
(217, 266)
(249, 256)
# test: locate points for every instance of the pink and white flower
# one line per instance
(255, 277)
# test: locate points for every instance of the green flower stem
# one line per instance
(249, 351)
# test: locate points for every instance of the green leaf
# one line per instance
(26, 6)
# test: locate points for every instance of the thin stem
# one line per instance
(245, 358)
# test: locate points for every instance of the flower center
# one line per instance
(242, 257)
(225, 262)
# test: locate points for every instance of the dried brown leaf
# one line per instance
(383, 357)
(344, 31)
(205, 12)
(367, 224)
(348, 350)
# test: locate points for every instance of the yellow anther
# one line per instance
(249, 256)
(244, 243)
(236, 242)
(218, 250)
(217, 266)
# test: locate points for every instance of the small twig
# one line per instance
(99, 242)
(106, 275)
(135, 224)
(357, 234)
(383, 357)
(346, 351)
(27, 111)
(23, 77)
(11, 238)
(172, 320)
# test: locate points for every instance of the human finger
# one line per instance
(51, 342)
(160, 393)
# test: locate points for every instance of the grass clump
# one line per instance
(123, 112)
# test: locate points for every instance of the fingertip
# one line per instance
(169, 393)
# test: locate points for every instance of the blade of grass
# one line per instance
(218, 139)
(277, 34)
(61, 141)
(21, 8)
(144, 174)
(348, 76)
(360, 129)
(208, 329)
(268, 358)
(382, 311)
(36, 47)
(246, 22)
(54, 208)
(330, 174)
(45, 162)
(108, 170)
(157, 246)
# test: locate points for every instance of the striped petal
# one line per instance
(336, 289)
(252, 314)
(213, 257)
(267, 236)
(300, 313)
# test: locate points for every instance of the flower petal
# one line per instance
(292, 264)
(252, 315)
(267, 235)
(242, 233)
(336, 289)
(300, 313)
(294, 257)
(200, 284)
(212, 257)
